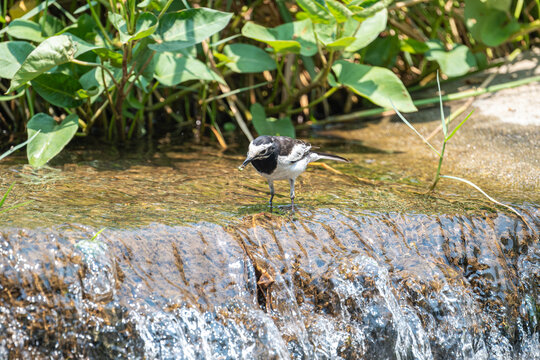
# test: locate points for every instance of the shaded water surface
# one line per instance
(191, 266)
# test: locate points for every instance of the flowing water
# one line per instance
(191, 265)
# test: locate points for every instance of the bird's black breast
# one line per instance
(266, 166)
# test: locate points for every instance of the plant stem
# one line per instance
(280, 75)
(169, 2)
(98, 22)
(326, 95)
(437, 175)
(30, 103)
(489, 197)
(84, 63)
(225, 89)
(320, 78)
(455, 96)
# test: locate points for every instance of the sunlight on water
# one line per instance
(191, 266)
(330, 285)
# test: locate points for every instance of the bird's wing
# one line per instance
(293, 150)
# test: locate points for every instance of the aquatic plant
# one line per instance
(446, 137)
(120, 69)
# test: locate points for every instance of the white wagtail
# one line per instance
(282, 158)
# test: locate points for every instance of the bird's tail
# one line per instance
(331, 157)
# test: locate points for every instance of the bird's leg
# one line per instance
(271, 186)
(291, 181)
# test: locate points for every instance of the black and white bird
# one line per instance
(282, 158)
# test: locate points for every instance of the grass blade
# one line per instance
(6, 194)
(413, 129)
(444, 125)
(16, 206)
(459, 125)
(13, 149)
(97, 234)
(489, 197)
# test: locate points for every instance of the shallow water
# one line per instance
(192, 266)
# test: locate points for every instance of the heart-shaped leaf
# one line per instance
(13, 55)
(58, 89)
(455, 62)
(293, 37)
(376, 84)
(186, 28)
(245, 58)
(271, 126)
(52, 52)
(52, 137)
(172, 69)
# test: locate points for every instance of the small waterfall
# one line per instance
(330, 284)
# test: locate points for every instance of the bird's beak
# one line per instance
(246, 162)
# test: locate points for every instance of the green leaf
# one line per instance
(369, 30)
(172, 69)
(84, 28)
(142, 54)
(382, 51)
(294, 37)
(340, 12)
(145, 26)
(490, 23)
(340, 44)
(53, 137)
(50, 25)
(413, 46)
(114, 57)
(13, 55)
(502, 5)
(326, 34)
(375, 84)
(271, 126)
(58, 89)
(82, 46)
(245, 58)
(26, 30)
(316, 11)
(186, 28)
(119, 24)
(52, 52)
(455, 62)
(92, 81)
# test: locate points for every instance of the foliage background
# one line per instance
(122, 71)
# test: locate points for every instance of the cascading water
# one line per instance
(331, 284)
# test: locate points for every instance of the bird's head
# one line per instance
(260, 148)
